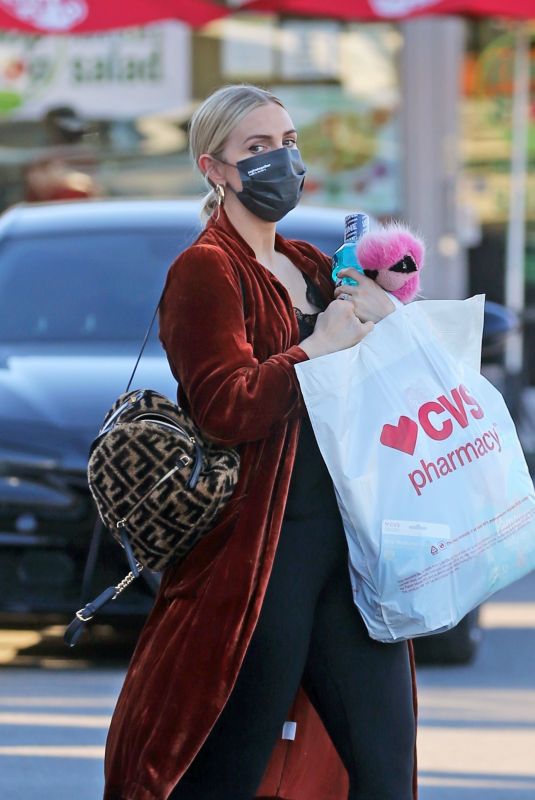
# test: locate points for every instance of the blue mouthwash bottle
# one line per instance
(356, 225)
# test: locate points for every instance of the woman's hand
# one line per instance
(337, 328)
(370, 302)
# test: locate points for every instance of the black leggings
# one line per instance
(310, 632)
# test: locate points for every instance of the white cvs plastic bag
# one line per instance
(437, 502)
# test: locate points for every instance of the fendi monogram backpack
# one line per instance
(158, 485)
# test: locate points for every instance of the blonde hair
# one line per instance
(213, 122)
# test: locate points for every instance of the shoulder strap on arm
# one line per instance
(149, 329)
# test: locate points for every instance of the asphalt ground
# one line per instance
(476, 723)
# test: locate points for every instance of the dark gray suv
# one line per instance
(79, 282)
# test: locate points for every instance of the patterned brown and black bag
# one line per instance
(157, 483)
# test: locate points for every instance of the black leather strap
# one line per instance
(145, 340)
(77, 626)
(85, 614)
(91, 561)
(132, 563)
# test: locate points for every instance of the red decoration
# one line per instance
(395, 9)
(87, 16)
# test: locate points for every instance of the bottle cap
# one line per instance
(356, 225)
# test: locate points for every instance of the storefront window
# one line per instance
(486, 119)
(341, 85)
(487, 135)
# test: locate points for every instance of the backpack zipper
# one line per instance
(162, 419)
(184, 461)
(118, 411)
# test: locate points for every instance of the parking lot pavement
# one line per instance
(53, 726)
(476, 729)
(55, 706)
(477, 723)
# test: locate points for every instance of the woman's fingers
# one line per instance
(370, 302)
(351, 272)
(336, 328)
(362, 281)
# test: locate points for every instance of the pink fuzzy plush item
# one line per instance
(393, 256)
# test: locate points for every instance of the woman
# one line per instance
(263, 605)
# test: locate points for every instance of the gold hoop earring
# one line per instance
(220, 194)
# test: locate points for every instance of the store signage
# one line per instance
(116, 74)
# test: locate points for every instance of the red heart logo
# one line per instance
(401, 436)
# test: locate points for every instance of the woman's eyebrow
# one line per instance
(267, 136)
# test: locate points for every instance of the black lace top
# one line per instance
(306, 323)
(311, 492)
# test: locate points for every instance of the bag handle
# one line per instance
(149, 329)
(145, 340)
(75, 628)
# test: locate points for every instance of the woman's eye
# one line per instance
(260, 148)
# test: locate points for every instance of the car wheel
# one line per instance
(459, 645)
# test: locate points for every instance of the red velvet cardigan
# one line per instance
(237, 373)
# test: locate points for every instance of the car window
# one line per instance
(95, 286)
(100, 285)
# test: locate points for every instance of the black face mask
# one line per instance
(272, 182)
